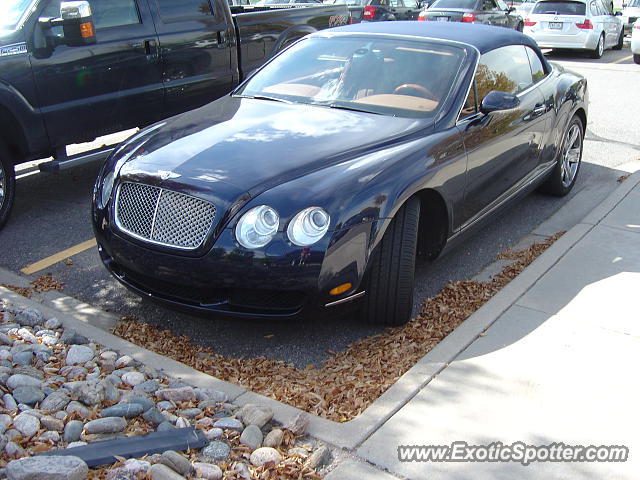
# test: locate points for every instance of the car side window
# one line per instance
(470, 106)
(488, 5)
(410, 3)
(504, 69)
(537, 68)
(114, 13)
(176, 10)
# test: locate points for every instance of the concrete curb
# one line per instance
(93, 323)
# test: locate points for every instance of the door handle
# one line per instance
(540, 110)
(222, 38)
(149, 47)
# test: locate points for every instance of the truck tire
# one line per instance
(636, 58)
(563, 177)
(7, 184)
(390, 277)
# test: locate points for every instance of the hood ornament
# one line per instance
(167, 174)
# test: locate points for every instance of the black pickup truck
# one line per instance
(74, 71)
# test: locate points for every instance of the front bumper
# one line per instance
(281, 281)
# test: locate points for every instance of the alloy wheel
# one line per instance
(600, 46)
(571, 153)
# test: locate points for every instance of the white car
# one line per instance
(635, 41)
(630, 13)
(575, 24)
(524, 8)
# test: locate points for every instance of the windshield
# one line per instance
(468, 4)
(560, 8)
(11, 11)
(633, 3)
(386, 76)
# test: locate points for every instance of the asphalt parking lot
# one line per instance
(51, 225)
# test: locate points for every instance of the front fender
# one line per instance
(362, 195)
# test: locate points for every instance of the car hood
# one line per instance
(247, 146)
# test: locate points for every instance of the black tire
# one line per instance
(599, 50)
(620, 43)
(7, 184)
(636, 58)
(520, 27)
(558, 183)
(390, 276)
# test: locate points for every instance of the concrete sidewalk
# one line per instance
(559, 365)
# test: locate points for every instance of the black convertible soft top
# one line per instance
(483, 37)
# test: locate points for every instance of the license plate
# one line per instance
(555, 25)
(442, 19)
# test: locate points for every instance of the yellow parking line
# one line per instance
(58, 257)
(620, 60)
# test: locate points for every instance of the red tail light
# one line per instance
(529, 23)
(468, 17)
(350, 20)
(586, 25)
(369, 12)
(421, 17)
(636, 26)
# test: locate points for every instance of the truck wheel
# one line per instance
(563, 177)
(389, 280)
(520, 27)
(7, 184)
(620, 43)
(599, 50)
(636, 58)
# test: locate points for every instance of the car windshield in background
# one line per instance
(350, 3)
(468, 4)
(11, 11)
(633, 3)
(560, 8)
(385, 76)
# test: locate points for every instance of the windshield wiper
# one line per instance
(264, 97)
(345, 107)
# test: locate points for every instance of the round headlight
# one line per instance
(107, 187)
(308, 226)
(257, 227)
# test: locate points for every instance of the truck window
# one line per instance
(115, 13)
(175, 10)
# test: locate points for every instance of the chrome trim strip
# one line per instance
(355, 296)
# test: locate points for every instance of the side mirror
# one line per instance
(495, 101)
(77, 23)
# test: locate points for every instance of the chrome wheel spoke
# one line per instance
(571, 155)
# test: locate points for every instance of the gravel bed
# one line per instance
(59, 391)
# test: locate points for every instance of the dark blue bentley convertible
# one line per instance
(322, 177)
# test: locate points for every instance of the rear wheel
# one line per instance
(564, 175)
(620, 43)
(599, 50)
(390, 276)
(7, 184)
(520, 27)
(636, 58)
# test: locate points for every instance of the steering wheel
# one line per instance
(423, 91)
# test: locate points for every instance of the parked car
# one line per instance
(355, 8)
(322, 176)
(488, 12)
(635, 41)
(388, 10)
(524, 8)
(630, 13)
(69, 74)
(575, 24)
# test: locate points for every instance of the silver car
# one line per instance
(630, 13)
(575, 24)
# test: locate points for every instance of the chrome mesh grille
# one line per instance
(163, 216)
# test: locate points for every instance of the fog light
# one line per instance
(340, 289)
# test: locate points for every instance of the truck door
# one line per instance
(115, 84)
(195, 52)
